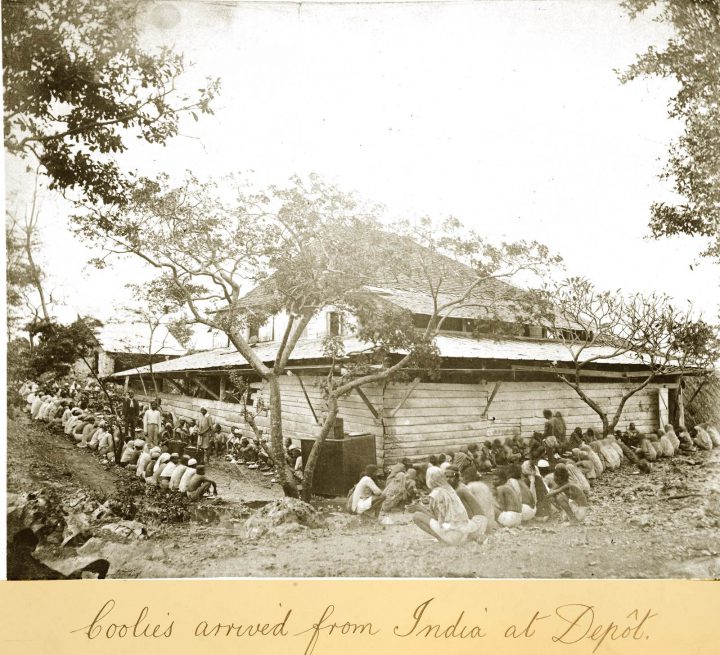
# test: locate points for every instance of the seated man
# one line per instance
(149, 472)
(411, 489)
(59, 412)
(666, 447)
(67, 415)
(132, 452)
(106, 441)
(94, 441)
(38, 404)
(515, 480)
(498, 453)
(465, 463)
(576, 439)
(509, 501)
(519, 446)
(713, 434)
(160, 464)
(46, 408)
(87, 431)
(472, 506)
(82, 427)
(686, 443)
(233, 443)
(366, 495)
(178, 473)
(263, 456)
(702, 439)
(166, 435)
(75, 414)
(248, 451)
(566, 496)
(480, 507)
(190, 471)
(552, 446)
(168, 470)
(485, 459)
(199, 485)
(181, 432)
(646, 446)
(142, 463)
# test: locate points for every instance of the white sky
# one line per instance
(507, 115)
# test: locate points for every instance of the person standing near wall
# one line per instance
(152, 422)
(131, 411)
(205, 433)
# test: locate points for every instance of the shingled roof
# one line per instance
(408, 287)
(450, 346)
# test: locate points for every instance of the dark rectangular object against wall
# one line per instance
(341, 462)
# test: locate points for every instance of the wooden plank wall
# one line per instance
(298, 420)
(444, 417)
(435, 417)
(226, 414)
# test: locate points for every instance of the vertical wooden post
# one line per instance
(222, 388)
(681, 403)
(127, 383)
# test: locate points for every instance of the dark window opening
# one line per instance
(334, 324)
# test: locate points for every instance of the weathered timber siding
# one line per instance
(435, 417)
(443, 417)
(226, 414)
(298, 420)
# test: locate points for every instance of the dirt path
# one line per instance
(666, 524)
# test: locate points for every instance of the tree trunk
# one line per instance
(589, 402)
(102, 387)
(152, 377)
(309, 468)
(276, 436)
(606, 424)
(150, 360)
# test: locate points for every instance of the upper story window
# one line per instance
(570, 335)
(450, 324)
(535, 331)
(334, 324)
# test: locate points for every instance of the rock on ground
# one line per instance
(41, 511)
(280, 516)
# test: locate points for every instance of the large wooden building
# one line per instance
(486, 388)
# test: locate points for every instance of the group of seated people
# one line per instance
(96, 428)
(456, 497)
(158, 467)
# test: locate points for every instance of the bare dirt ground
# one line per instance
(665, 524)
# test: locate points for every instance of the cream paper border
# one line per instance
(586, 617)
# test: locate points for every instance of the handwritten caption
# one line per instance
(572, 623)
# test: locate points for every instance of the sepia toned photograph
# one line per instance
(362, 290)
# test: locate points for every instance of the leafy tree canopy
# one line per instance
(77, 81)
(691, 58)
(59, 347)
